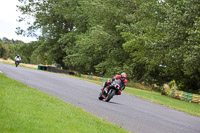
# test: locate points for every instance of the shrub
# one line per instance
(165, 90)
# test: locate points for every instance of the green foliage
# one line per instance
(172, 84)
(152, 41)
(4, 50)
(158, 39)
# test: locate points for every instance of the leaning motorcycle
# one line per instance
(113, 89)
(17, 61)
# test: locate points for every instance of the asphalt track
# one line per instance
(132, 113)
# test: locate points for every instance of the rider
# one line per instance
(17, 58)
(122, 77)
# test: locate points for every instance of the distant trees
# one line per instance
(4, 50)
(25, 50)
(9, 48)
(154, 41)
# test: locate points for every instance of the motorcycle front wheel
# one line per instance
(100, 96)
(111, 93)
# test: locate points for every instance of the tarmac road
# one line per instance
(132, 113)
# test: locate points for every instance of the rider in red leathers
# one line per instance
(122, 77)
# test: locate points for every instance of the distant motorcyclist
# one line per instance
(122, 77)
(17, 60)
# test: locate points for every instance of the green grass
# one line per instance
(190, 108)
(24, 110)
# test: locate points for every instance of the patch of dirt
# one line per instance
(23, 64)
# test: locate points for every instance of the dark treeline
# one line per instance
(153, 41)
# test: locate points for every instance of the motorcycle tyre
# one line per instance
(100, 96)
(110, 95)
(16, 63)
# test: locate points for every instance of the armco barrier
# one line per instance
(39, 67)
(172, 93)
(42, 68)
(89, 77)
(178, 94)
(196, 98)
(95, 78)
(84, 76)
(187, 96)
(54, 69)
(190, 97)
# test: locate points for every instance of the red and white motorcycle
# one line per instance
(111, 90)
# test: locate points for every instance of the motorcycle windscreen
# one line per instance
(118, 81)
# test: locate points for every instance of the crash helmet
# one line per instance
(123, 76)
(18, 55)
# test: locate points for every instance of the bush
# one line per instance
(157, 88)
(141, 86)
(165, 90)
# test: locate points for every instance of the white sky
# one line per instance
(8, 21)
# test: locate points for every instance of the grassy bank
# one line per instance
(24, 109)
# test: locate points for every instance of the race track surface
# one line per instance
(132, 113)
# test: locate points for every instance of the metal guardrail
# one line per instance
(54, 69)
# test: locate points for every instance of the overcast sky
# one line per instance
(8, 21)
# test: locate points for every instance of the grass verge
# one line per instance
(24, 109)
(190, 108)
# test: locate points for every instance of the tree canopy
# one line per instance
(153, 41)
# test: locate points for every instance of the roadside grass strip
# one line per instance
(187, 107)
(24, 110)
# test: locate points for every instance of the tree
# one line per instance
(4, 50)
(153, 41)
(159, 39)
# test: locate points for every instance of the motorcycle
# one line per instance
(17, 61)
(113, 89)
